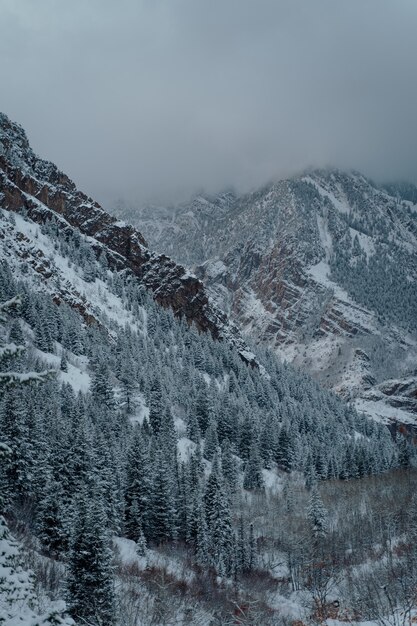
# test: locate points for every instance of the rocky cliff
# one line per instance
(39, 189)
(321, 267)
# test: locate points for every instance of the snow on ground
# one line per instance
(76, 374)
(254, 308)
(78, 379)
(273, 482)
(292, 608)
(316, 355)
(185, 448)
(215, 268)
(365, 242)
(382, 412)
(325, 236)
(141, 410)
(180, 426)
(104, 304)
(348, 308)
(321, 272)
(207, 378)
(222, 384)
(342, 207)
(188, 274)
(126, 551)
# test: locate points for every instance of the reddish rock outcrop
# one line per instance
(34, 186)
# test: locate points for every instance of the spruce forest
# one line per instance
(150, 475)
(208, 313)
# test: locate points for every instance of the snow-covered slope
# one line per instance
(160, 436)
(37, 188)
(323, 267)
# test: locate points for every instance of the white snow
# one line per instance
(382, 412)
(338, 204)
(180, 426)
(185, 448)
(188, 274)
(77, 378)
(126, 551)
(273, 481)
(349, 309)
(325, 236)
(97, 299)
(215, 268)
(141, 410)
(365, 242)
(76, 374)
(207, 378)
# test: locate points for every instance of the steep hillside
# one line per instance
(158, 442)
(322, 267)
(34, 186)
(144, 475)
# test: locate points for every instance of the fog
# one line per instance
(151, 100)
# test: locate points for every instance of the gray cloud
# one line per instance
(150, 100)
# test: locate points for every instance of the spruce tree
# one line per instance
(51, 519)
(220, 534)
(90, 584)
(156, 405)
(138, 488)
(317, 515)
(211, 440)
(253, 478)
(162, 505)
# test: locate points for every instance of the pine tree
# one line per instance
(51, 526)
(310, 472)
(211, 440)
(404, 454)
(193, 428)
(162, 507)
(246, 436)
(64, 361)
(220, 534)
(253, 478)
(129, 384)
(16, 334)
(138, 489)
(141, 545)
(317, 515)
(16, 584)
(101, 388)
(203, 407)
(202, 540)
(229, 467)
(90, 584)
(15, 435)
(156, 405)
(285, 448)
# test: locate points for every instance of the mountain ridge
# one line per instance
(38, 187)
(309, 266)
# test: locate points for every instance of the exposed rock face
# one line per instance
(309, 266)
(393, 402)
(32, 185)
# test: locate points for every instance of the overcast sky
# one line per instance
(151, 100)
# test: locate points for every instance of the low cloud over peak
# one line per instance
(150, 100)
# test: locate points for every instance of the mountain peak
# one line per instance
(310, 266)
(37, 187)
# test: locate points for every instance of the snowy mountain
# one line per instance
(322, 267)
(143, 476)
(37, 187)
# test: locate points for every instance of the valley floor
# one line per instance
(361, 569)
